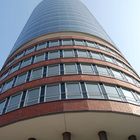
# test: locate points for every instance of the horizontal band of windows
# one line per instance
(68, 90)
(66, 69)
(64, 54)
(64, 42)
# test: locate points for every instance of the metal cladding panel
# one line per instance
(52, 16)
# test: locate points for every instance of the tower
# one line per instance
(66, 79)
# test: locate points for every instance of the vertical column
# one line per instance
(66, 136)
(132, 137)
(102, 135)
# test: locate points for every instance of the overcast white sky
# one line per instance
(120, 19)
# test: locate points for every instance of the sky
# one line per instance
(119, 18)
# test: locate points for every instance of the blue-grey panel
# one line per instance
(52, 16)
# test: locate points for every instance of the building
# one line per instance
(66, 79)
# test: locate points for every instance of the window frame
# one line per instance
(66, 91)
(21, 94)
(37, 56)
(5, 100)
(47, 75)
(20, 75)
(70, 64)
(45, 95)
(36, 69)
(99, 87)
(27, 92)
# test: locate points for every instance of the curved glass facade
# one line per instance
(60, 16)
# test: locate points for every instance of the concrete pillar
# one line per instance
(132, 137)
(66, 136)
(31, 139)
(102, 135)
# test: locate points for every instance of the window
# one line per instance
(20, 55)
(102, 71)
(14, 102)
(15, 68)
(21, 79)
(83, 53)
(26, 62)
(8, 85)
(112, 92)
(71, 69)
(54, 55)
(128, 95)
(41, 46)
(53, 70)
(36, 74)
(102, 47)
(117, 74)
(91, 44)
(108, 59)
(32, 97)
(120, 64)
(30, 50)
(4, 75)
(53, 43)
(94, 91)
(40, 57)
(67, 42)
(69, 53)
(0, 88)
(73, 90)
(52, 92)
(2, 104)
(129, 79)
(96, 55)
(79, 42)
(87, 69)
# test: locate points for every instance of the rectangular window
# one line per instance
(91, 44)
(128, 95)
(79, 42)
(8, 85)
(69, 53)
(108, 59)
(36, 74)
(117, 74)
(21, 79)
(102, 47)
(4, 75)
(53, 70)
(54, 43)
(41, 46)
(102, 71)
(2, 104)
(87, 69)
(83, 54)
(71, 69)
(112, 92)
(96, 55)
(40, 57)
(32, 97)
(67, 42)
(26, 62)
(20, 55)
(54, 55)
(52, 92)
(94, 91)
(73, 91)
(30, 50)
(120, 64)
(129, 79)
(14, 102)
(15, 68)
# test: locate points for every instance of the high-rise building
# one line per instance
(66, 80)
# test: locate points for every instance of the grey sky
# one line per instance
(120, 19)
